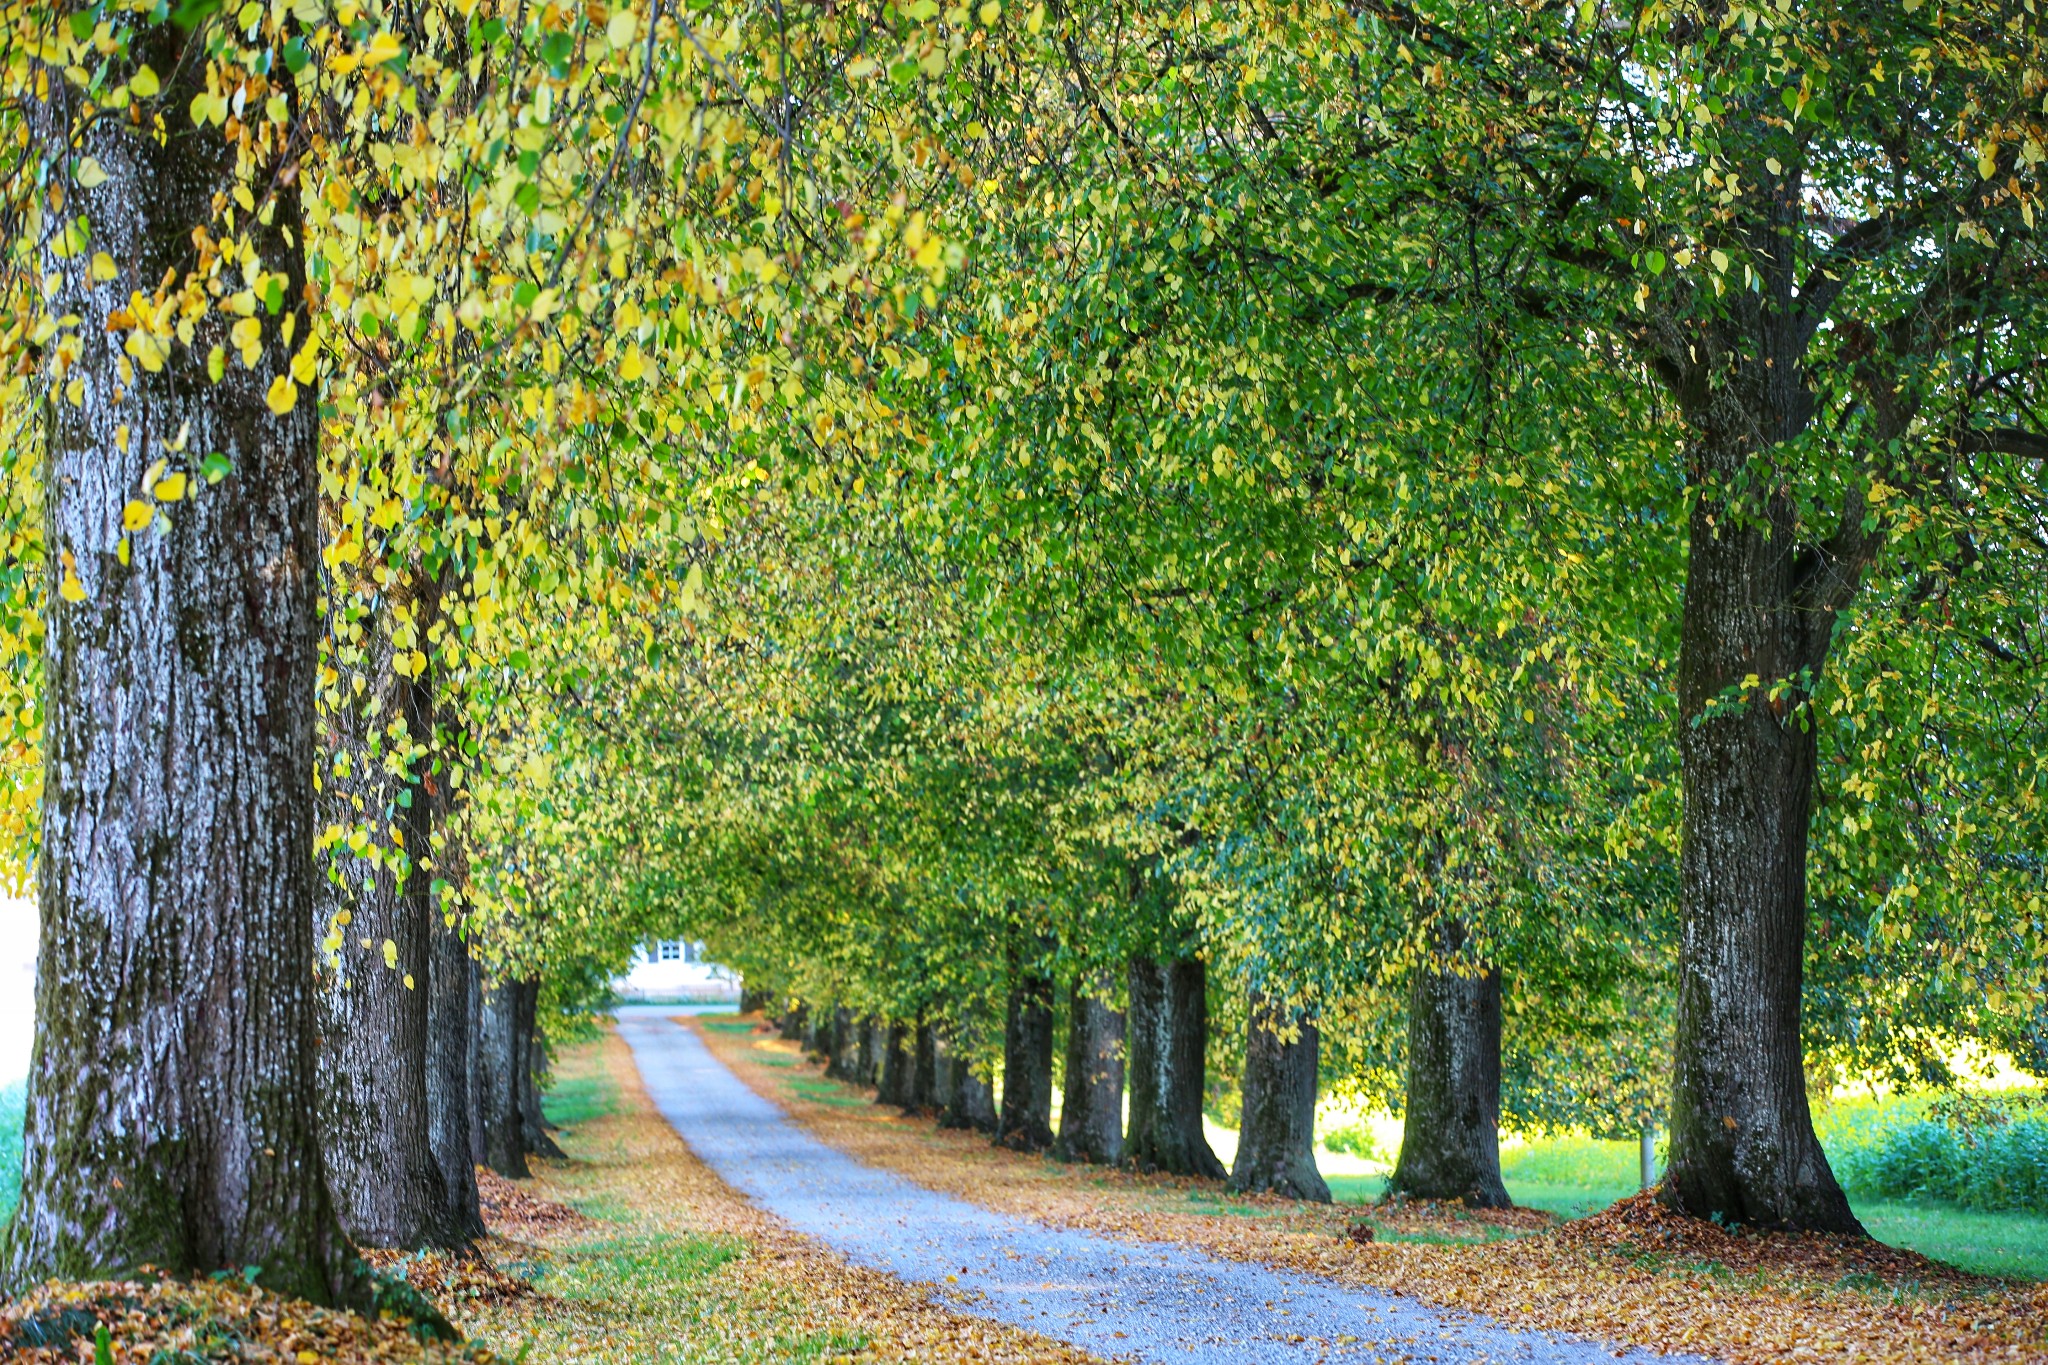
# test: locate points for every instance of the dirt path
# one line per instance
(1144, 1301)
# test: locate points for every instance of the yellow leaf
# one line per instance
(408, 980)
(71, 590)
(621, 29)
(382, 48)
(283, 395)
(633, 366)
(171, 489)
(91, 175)
(390, 954)
(991, 12)
(144, 83)
(136, 515)
(103, 267)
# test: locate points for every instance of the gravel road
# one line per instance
(1145, 1301)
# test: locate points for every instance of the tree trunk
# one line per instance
(1166, 1040)
(970, 1099)
(843, 1048)
(449, 1050)
(502, 1059)
(1742, 1141)
(755, 1001)
(793, 1024)
(898, 1064)
(477, 1068)
(1450, 1136)
(375, 917)
(1276, 1146)
(171, 1100)
(1092, 1101)
(924, 1085)
(1025, 1121)
(817, 1034)
(534, 1130)
(873, 1041)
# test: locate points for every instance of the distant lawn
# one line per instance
(573, 1101)
(1572, 1177)
(1564, 1200)
(1988, 1243)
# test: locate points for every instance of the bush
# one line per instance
(1992, 1167)
(1353, 1139)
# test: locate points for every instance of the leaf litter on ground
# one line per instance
(631, 1251)
(1635, 1274)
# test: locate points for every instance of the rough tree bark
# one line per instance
(375, 915)
(1092, 1100)
(476, 1067)
(1025, 1120)
(532, 1048)
(970, 1101)
(899, 1063)
(449, 1051)
(451, 1044)
(1450, 1138)
(874, 1039)
(924, 1084)
(794, 1025)
(843, 1047)
(1166, 1042)
(171, 1101)
(1276, 1149)
(500, 1058)
(1742, 1139)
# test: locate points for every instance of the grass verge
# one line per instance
(672, 1265)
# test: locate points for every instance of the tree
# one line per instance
(1276, 1141)
(170, 1116)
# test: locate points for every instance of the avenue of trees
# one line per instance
(1184, 555)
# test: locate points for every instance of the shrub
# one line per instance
(1992, 1167)
(1353, 1139)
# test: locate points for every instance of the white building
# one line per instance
(674, 970)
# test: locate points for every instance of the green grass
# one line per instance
(828, 1092)
(725, 1023)
(1570, 1176)
(671, 1292)
(569, 1103)
(1988, 1243)
(1575, 1176)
